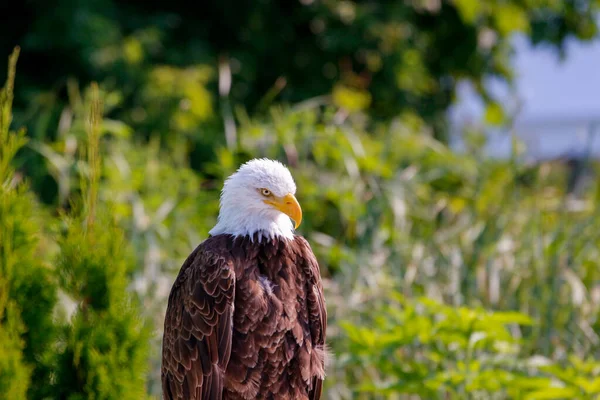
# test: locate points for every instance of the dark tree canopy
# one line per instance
(387, 57)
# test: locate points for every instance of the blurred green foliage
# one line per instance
(394, 216)
(26, 331)
(103, 349)
(68, 326)
(425, 348)
(447, 275)
(104, 353)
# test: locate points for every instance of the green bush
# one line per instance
(425, 348)
(103, 349)
(14, 373)
(27, 287)
(68, 328)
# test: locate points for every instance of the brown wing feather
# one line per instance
(317, 313)
(197, 335)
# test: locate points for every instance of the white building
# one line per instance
(558, 103)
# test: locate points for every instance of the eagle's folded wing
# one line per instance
(317, 315)
(197, 335)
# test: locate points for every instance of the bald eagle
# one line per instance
(246, 315)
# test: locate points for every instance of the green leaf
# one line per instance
(552, 393)
(510, 18)
(511, 317)
(469, 10)
(494, 114)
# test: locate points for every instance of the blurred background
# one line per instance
(445, 154)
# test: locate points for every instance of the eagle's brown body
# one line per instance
(246, 320)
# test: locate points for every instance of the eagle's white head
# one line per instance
(259, 198)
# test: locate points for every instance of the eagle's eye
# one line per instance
(265, 192)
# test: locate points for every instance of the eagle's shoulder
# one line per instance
(301, 242)
(214, 248)
(211, 253)
(304, 251)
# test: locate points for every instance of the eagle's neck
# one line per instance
(270, 224)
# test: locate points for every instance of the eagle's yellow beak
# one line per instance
(289, 206)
